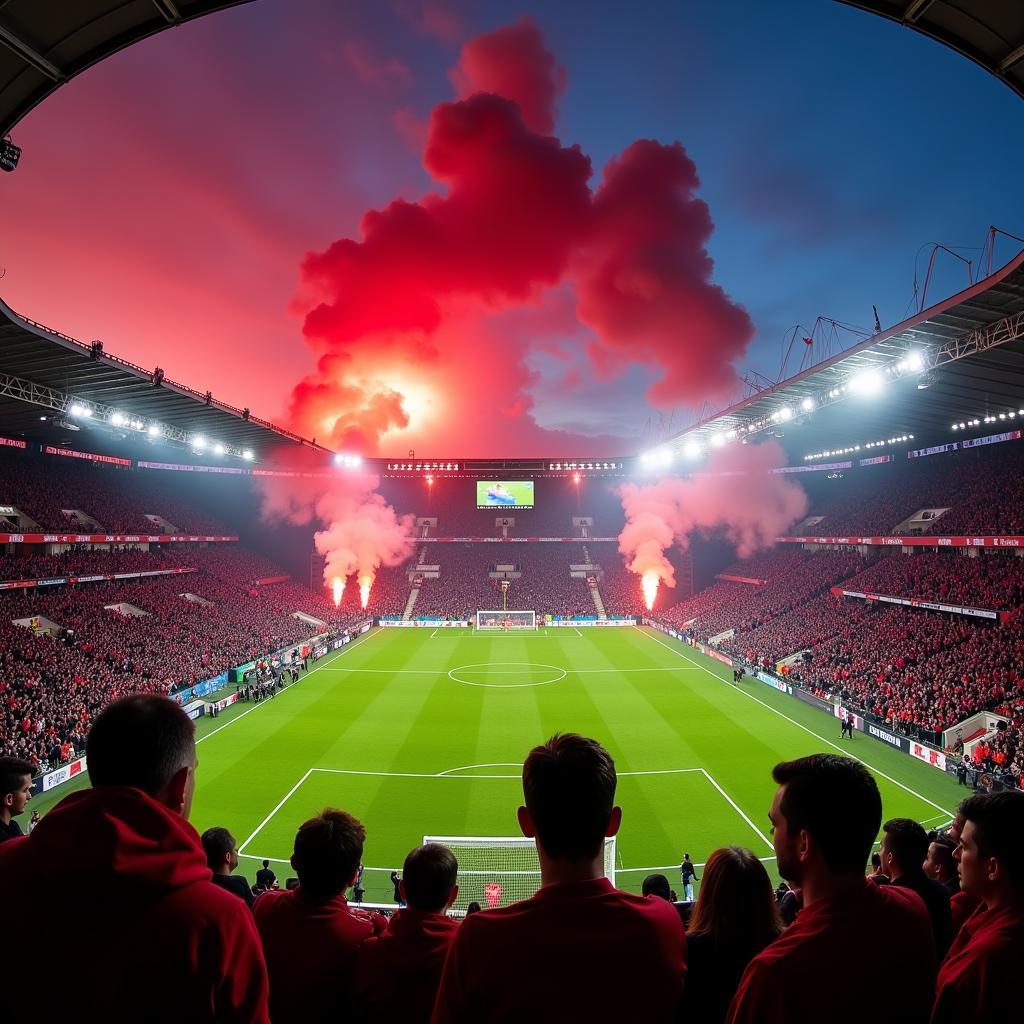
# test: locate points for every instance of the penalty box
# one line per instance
(665, 812)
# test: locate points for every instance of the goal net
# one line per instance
(506, 620)
(495, 871)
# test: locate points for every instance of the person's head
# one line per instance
(825, 816)
(266, 863)
(876, 863)
(221, 851)
(146, 742)
(657, 885)
(473, 908)
(686, 856)
(904, 847)
(991, 848)
(327, 852)
(736, 903)
(939, 863)
(428, 878)
(569, 789)
(15, 785)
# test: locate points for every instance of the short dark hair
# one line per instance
(141, 741)
(266, 863)
(657, 885)
(327, 852)
(217, 844)
(836, 800)
(908, 842)
(998, 820)
(473, 908)
(429, 874)
(876, 860)
(569, 787)
(12, 774)
(947, 844)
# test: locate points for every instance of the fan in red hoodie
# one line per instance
(979, 980)
(119, 870)
(397, 973)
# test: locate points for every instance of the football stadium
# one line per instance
(471, 622)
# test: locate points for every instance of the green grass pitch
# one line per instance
(422, 732)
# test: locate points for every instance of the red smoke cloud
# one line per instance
(405, 320)
(738, 495)
(362, 531)
(513, 63)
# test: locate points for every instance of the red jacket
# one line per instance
(116, 917)
(397, 973)
(880, 934)
(979, 980)
(311, 952)
(573, 952)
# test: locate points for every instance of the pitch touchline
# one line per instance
(568, 671)
(793, 721)
(348, 647)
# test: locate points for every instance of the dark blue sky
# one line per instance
(167, 197)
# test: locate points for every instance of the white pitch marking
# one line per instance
(736, 807)
(283, 801)
(792, 721)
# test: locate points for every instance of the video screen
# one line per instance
(504, 494)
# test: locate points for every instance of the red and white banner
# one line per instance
(56, 580)
(929, 755)
(70, 453)
(12, 442)
(62, 775)
(890, 541)
(740, 579)
(111, 538)
(931, 606)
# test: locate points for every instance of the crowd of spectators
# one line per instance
(182, 933)
(52, 686)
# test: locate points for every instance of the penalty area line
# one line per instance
(799, 725)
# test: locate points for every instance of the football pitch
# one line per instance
(423, 732)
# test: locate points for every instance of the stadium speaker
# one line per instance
(10, 154)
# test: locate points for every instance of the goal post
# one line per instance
(502, 620)
(495, 871)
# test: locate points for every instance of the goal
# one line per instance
(495, 871)
(499, 620)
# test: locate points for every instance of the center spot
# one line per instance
(507, 674)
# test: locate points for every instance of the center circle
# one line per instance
(508, 675)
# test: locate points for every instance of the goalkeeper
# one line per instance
(557, 955)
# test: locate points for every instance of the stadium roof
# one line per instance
(959, 360)
(43, 372)
(989, 32)
(45, 43)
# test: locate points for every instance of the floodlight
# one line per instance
(247, 455)
(219, 449)
(199, 442)
(718, 440)
(807, 405)
(913, 362)
(869, 382)
(692, 450)
(117, 419)
(785, 413)
(153, 430)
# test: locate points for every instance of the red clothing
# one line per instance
(311, 952)
(961, 906)
(979, 981)
(398, 973)
(579, 951)
(148, 935)
(799, 976)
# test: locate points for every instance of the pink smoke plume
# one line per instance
(738, 494)
(405, 318)
(361, 531)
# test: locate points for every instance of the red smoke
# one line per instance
(738, 495)
(405, 319)
(362, 531)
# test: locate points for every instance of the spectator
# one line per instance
(398, 972)
(310, 936)
(222, 859)
(961, 904)
(265, 878)
(658, 887)
(735, 918)
(15, 793)
(979, 979)
(120, 865)
(940, 865)
(541, 959)
(876, 874)
(825, 816)
(688, 874)
(904, 849)
(473, 908)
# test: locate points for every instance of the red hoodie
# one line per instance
(398, 973)
(149, 936)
